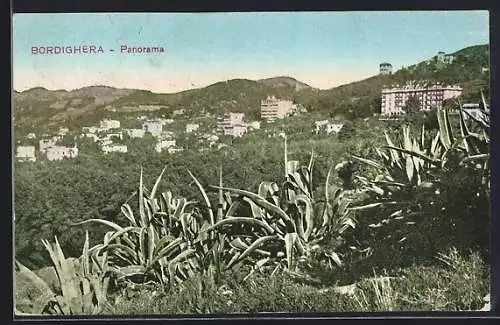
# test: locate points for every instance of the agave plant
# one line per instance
(282, 226)
(83, 285)
(160, 243)
(417, 178)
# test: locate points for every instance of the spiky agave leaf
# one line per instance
(47, 295)
(260, 201)
(205, 197)
(255, 245)
(238, 220)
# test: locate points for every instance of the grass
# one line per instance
(457, 284)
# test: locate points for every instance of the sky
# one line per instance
(322, 49)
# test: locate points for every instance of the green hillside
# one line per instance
(39, 107)
(362, 98)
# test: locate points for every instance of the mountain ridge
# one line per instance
(39, 106)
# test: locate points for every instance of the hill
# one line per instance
(362, 98)
(284, 82)
(39, 107)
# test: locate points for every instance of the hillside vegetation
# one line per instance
(39, 108)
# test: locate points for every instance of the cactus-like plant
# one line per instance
(159, 243)
(83, 286)
(418, 179)
(279, 225)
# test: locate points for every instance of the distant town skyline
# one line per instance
(180, 51)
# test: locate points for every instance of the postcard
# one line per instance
(251, 162)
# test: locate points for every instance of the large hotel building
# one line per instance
(232, 124)
(272, 108)
(430, 96)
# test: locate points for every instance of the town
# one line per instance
(109, 134)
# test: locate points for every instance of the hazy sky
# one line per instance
(323, 49)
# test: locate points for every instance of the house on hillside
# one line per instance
(319, 125)
(178, 112)
(155, 128)
(334, 128)
(114, 148)
(385, 68)
(273, 108)
(56, 153)
(135, 133)
(31, 136)
(440, 56)
(43, 144)
(232, 124)
(328, 127)
(191, 127)
(448, 59)
(111, 136)
(164, 144)
(25, 153)
(109, 124)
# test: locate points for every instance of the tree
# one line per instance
(412, 105)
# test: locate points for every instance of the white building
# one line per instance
(25, 153)
(334, 127)
(155, 128)
(385, 68)
(239, 130)
(164, 144)
(232, 124)
(191, 127)
(55, 153)
(135, 133)
(429, 96)
(272, 108)
(109, 124)
(320, 125)
(178, 112)
(114, 148)
(110, 136)
(43, 144)
(105, 142)
(31, 136)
